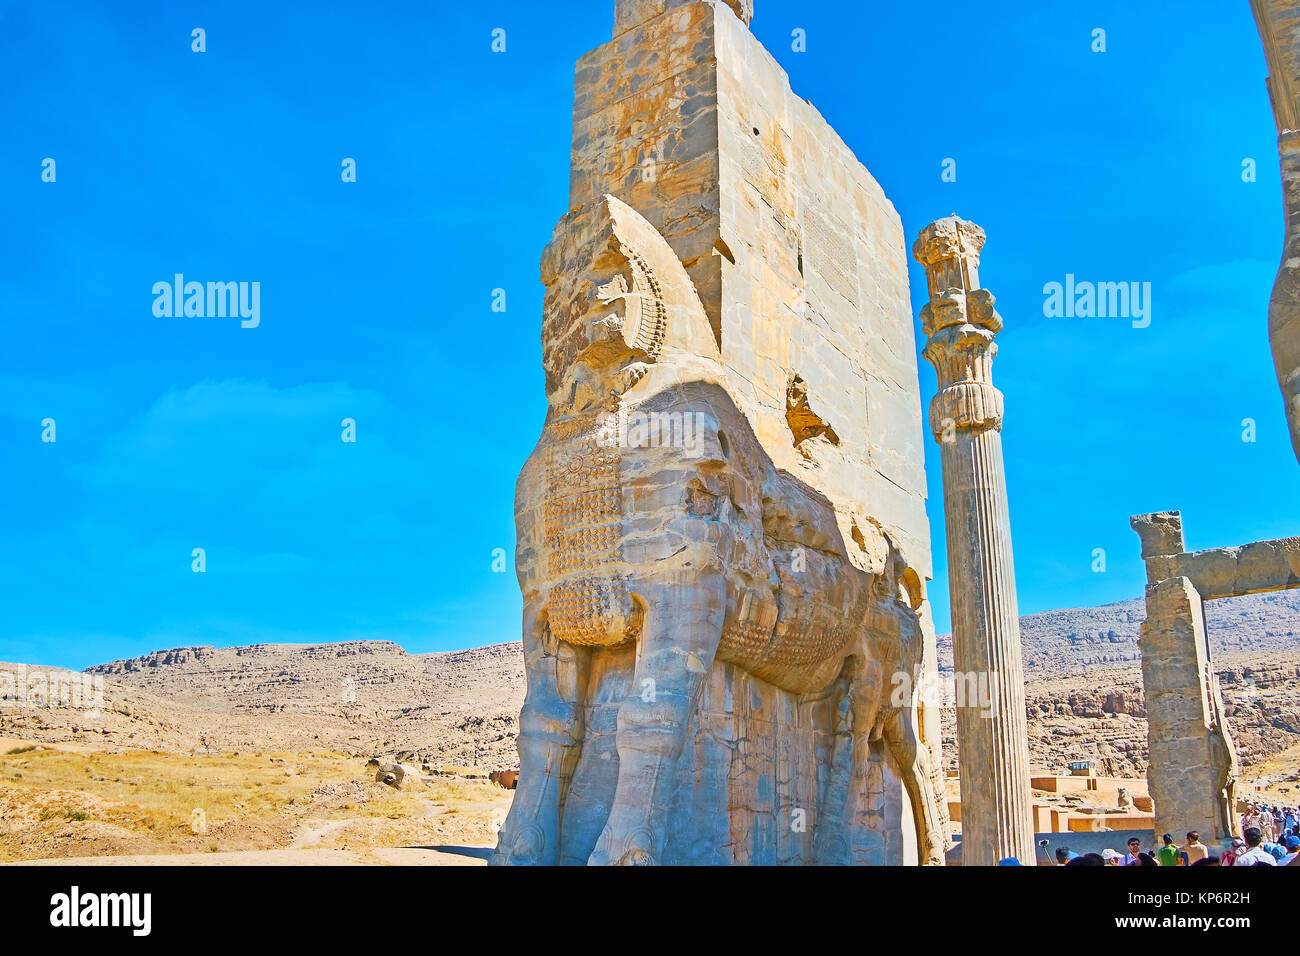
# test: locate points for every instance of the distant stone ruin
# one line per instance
(1192, 761)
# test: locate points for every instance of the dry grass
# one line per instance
(65, 802)
(166, 787)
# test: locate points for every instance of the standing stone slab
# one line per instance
(1181, 714)
(1192, 768)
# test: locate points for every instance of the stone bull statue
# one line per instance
(650, 514)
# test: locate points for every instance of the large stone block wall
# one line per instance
(798, 256)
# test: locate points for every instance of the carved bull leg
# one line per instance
(835, 819)
(875, 716)
(550, 735)
(1224, 760)
(1223, 808)
(864, 704)
(683, 625)
(913, 759)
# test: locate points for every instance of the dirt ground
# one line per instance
(1274, 780)
(76, 803)
(73, 803)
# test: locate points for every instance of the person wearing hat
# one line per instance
(1111, 857)
(1009, 861)
(1250, 818)
(1267, 824)
(1254, 854)
(1292, 850)
(1167, 855)
(1064, 855)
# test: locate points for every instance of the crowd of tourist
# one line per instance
(1276, 823)
(1270, 837)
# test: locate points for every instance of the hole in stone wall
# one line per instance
(911, 587)
(804, 423)
(856, 534)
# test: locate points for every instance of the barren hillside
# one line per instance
(1068, 641)
(358, 697)
(1084, 681)
(366, 697)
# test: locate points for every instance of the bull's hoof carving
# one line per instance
(634, 849)
(528, 845)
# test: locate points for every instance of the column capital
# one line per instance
(1160, 532)
(960, 322)
(950, 251)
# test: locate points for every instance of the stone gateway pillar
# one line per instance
(722, 544)
(966, 418)
(1193, 763)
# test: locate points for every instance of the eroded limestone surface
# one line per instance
(1279, 28)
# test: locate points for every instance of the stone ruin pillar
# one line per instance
(966, 418)
(1192, 764)
(1279, 27)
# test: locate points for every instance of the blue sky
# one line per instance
(376, 295)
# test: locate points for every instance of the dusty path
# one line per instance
(312, 833)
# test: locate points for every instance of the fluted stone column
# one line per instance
(966, 418)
